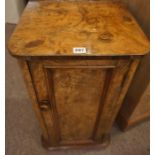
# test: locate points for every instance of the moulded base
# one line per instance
(104, 144)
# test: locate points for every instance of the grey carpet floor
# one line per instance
(23, 132)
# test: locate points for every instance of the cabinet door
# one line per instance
(81, 101)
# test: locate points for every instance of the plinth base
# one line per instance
(48, 146)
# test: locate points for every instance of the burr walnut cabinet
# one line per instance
(78, 60)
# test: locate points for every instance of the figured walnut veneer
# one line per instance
(51, 28)
(76, 97)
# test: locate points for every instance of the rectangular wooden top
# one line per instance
(50, 28)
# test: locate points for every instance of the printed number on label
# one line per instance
(79, 50)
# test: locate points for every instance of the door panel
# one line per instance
(78, 99)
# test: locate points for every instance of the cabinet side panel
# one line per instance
(28, 81)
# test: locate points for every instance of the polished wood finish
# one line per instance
(98, 26)
(77, 96)
(79, 108)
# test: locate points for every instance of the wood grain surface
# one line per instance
(50, 28)
(77, 103)
(80, 97)
(77, 96)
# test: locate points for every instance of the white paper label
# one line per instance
(79, 50)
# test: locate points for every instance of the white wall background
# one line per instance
(13, 10)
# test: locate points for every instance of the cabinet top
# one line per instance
(91, 28)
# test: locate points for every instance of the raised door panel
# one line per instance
(80, 99)
(77, 95)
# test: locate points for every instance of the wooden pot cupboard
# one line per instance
(78, 60)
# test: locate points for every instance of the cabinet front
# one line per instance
(73, 98)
